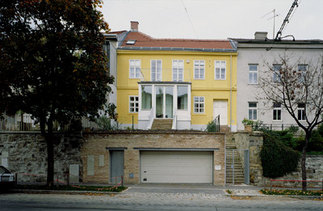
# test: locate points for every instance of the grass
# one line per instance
(229, 191)
(292, 192)
(74, 188)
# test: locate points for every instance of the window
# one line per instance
(134, 68)
(277, 111)
(302, 68)
(178, 70)
(182, 97)
(199, 104)
(156, 70)
(146, 93)
(133, 104)
(252, 110)
(199, 69)
(220, 67)
(253, 74)
(301, 111)
(276, 76)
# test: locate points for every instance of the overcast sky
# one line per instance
(215, 19)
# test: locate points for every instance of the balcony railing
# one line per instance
(166, 75)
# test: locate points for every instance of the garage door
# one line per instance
(176, 167)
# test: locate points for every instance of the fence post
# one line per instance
(132, 121)
(282, 126)
(121, 180)
(322, 185)
(271, 184)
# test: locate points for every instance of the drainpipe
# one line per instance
(231, 92)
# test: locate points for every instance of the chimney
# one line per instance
(261, 35)
(134, 26)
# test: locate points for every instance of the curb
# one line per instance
(70, 192)
(276, 196)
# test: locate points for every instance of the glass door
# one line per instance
(159, 101)
(164, 101)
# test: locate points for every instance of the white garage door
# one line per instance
(176, 167)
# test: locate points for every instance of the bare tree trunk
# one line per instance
(303, 162)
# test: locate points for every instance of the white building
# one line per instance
(254, 57)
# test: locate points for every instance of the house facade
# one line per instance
(188, 82)
(255, 57)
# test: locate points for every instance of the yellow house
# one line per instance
(185, 83)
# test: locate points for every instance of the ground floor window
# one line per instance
(146, 97)
(133, 104)
(199, 104)
(182, 97)
(277, 111)
(252, 110)
(301, 111)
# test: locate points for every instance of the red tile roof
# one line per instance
(143, 40)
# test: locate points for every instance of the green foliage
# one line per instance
(104, 123)
(212, 127)
(52, 63)
(247, 122)
(292, 192)
(277, 158)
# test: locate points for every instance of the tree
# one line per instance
(52, 63)
(298, 87)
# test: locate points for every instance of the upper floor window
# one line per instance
(301, 111)
(253, 73)
(134, 68)
(302, 68)
(252, 110)
(220, 70)
(156, 70)
(178, 70)
(199, 69)
(199, 104)
(133, 104)
(277, 111)
(276, 76)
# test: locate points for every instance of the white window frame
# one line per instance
(220, 66)
(276, 76)
(253, 109)
(134, 68)
(277, 108)
(302, 110)
(178, 70)
(158, 74)
(133, 104)
(302, 71)
(199, 69)
(253, 74)
(198, 101)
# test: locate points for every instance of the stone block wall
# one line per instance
(314, 172)
(253, 142)
(25, 153)
(96, 145)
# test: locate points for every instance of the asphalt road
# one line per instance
(154, 198)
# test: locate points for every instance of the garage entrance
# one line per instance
(176, 167)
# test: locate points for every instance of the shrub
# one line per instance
(277, 158)
(212, 127)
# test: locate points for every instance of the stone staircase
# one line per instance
(237, 170)
(162, 124)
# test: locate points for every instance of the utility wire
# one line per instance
(189, 18)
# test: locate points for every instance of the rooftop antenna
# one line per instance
(279, 33)
(274, 19)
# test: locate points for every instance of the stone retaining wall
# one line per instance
(254, 141)
(25, 153)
